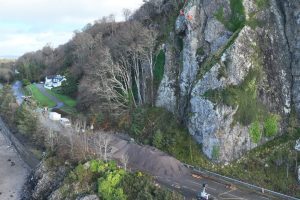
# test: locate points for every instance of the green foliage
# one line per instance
(158, 139)
(26, 120)
(30, 70)
(69, 87)
(244, 96)
(26, 82)
(236, 19)
(108, 185)
(158, 71)
(271, 125)
(255, 132)
(200, 51)
(111, 183)
(159, 127)
(7, 102)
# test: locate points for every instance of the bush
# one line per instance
(158, 139)
(26, 82)
(255, 132)
(271, 125)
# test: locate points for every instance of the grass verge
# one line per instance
(41, 99)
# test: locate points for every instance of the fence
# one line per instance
(240, 183)
(27, 157)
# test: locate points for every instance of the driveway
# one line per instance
(43, 90)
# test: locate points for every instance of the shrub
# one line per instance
(271, 125)
(255, 132)
(158, 139)
(26, 82)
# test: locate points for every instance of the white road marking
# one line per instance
(201, 185)
(233, 196)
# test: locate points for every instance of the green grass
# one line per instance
(41, 99)
(63, 98)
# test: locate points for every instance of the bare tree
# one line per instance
(124, 160)
(126, 14)
(106, 143)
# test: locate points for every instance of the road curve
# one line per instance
(41, 88)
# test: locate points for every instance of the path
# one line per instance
(41, 88)
(18, 92)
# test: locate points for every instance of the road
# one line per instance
(166, 169)
(18, 92)
(59, 104)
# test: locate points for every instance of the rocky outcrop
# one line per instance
(44, 180)
(88, 197)
(167, 90)
(291, 9)
(225, 59)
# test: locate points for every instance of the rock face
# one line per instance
(291, 17)
(268, 41)
(44, 181)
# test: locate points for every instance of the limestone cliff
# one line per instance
(239, 67)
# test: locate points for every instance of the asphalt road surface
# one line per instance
(190, 186)
(18, 93)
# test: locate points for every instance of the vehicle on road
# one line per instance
(203, 195)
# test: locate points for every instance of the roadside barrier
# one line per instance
(241, 183)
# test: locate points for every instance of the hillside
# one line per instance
(210, 82)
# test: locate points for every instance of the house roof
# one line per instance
(59, 77)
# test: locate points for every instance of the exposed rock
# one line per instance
(44, 181)
(180, 26)
(216, 34)
(291, 10)
(88, 197)
(264, 44)
(166, 95)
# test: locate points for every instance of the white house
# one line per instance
(54, 81)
